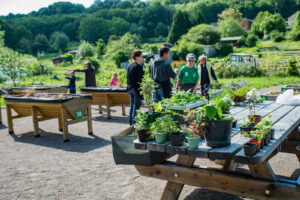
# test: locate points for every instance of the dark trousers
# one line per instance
(135, 104)
(204, 90)
(72, 90)
(187, 87)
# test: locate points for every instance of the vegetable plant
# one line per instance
(252, 98)
(164, 124)
(182, 99)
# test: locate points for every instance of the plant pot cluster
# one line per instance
(254, 145)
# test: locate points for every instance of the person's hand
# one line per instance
(195, 89)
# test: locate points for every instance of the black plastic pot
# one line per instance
(268, 138)
(218, 132)
(247, 129)
(234, 123)
(143, 135)
(177, 139)
(272, 133)
(250, 149)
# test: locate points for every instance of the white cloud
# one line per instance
(26, 6)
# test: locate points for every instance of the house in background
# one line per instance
(247, 23)
(291, 20)
(74, 52)
(59, 59)
(231, 40)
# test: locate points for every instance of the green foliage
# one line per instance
(100, 48)
(59, 41)
(230, 13)
(184, 47)
(86, 50)
(69, 57)
(154, 49)
(203, 34)
(34, 69)
(277, 36)
(294, 34)
(41, 43)
(231, 27)
(181, 24)
(224, 49)
(147, 87)
(141, 121)
(235, 70)
(242, 41)
(293, 69)
(251, 40)
(119, 57)
(182, 99)
(165, 124)
(1, 37)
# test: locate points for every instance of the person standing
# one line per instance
(207, 76)
(90, 76)
(135, 75)
(161, 71)
(71, 85)
(188, 77)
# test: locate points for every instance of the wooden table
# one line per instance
(108, 96)
(39, 89)
(260, 183)
(71, 110)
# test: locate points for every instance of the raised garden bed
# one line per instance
(68, 108)
(109, 97)
(39, 89)
(296, 88)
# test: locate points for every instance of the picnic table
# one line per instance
(260, 183)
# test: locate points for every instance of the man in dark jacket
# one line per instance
(161, 71)
(90, 77)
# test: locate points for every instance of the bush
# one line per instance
(183, 48)
(35, 69)
(292, 68)
(277, 36)
(242, 41)
(251, 40)
(154, 49)
(235, 70)
(224, 49)
(86, 50)
(69, 57)
(294, 35)
(94, 62)
(119, 57)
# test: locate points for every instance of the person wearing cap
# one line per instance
(90, 76)
(207, 76)
(188, 77)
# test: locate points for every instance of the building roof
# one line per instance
(226, 39)
(240, 54)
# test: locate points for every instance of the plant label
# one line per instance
(79, 114)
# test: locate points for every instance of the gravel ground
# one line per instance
(83, 168)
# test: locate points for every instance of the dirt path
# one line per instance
(47, 168)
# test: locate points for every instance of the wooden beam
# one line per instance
(89, 119)
(17, 116)
(9, 119)
(262, 170)
(0, 113)
(35, 121)
(108, 104)
(77, 120)
(240, 185)
(173, 189)
(100, 109)
(123, 110)
(60, 125)
(65, 125)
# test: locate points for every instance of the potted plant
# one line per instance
(254, 145)
(252, 98)
(246, 126)
(225, 104)
(265, 128)
(237, 91)
(250, 149)
(195, 123)
(142, 126)
(218, 126)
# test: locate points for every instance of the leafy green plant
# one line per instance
(182, 99)
(165, 124)
(141, 121)
(246, 122)
(148, 85)
(252, 98)
(119, 57)
(213, 111)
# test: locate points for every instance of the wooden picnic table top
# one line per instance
(285, 119)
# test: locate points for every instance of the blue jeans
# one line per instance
(158, 95)
(72, 90)
(135, 104)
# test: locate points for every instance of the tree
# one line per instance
(24, 46)
(251, 40)
(59, 41)
(203, 34)
(181, 24)
(184, 47)
(161, 30)
(230, 13)
(294, 34)
(86, 50)
(119, 57)
(40, 43)
(255, 27)
(231, 27)
(92, 28)
(1, 38)
(100, 48)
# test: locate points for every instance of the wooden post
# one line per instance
(35, 121)
(9, 120)
(100, 109)
(229, 165)
(64, 124)
(123, 110)
(262, 170)
(89, 120)
(0, 113)
(107, 99)
(60, 125)
(173, 190)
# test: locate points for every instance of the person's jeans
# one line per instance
(135, 104)
(158, 95)
(204, 91)
(72, 90)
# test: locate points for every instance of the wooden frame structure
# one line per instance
(260, 183)
(65, 110)
(109, 97)
(44, 89)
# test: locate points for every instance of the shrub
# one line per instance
(86, 50)
(69, 57)
(224, 49)
(119, 57)
(94, 62)
(183, 48)
(294, 35)
(242, 41)
(292, 68)
(154, 49)
(34, 69)
(277, 36)
(251, 40)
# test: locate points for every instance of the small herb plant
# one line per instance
(246, 122)
(141, 121)
(148, 85)
(182, 99)
(252, 97)
(165, 124)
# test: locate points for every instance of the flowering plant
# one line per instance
(195, 123)
(252, 97)
(238, 90)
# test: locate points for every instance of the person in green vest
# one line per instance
(188, 77)
(207, 76)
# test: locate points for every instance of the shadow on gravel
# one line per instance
(54, 140)
(296, 174)
(2, 126)
(199, 194)
(114, 119)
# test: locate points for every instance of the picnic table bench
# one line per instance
(260, 183)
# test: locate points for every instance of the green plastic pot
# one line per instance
(160, 138)
(193, 142)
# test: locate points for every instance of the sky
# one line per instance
(26, 6)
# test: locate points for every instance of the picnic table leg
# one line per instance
(262, 170)
(9, 120)
(123, 110)
(100, 109)
(65, 125)
(229, 165)
(0, 115)
(89, 121)
(60, 125)
(173, 190)
(35, 122)
(107, 99)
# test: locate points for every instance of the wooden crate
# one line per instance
(71, 110)
(109, 97)
(44, 89)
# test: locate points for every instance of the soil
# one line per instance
(83, 168)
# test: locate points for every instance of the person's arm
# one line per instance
(170, 71)
(68, 77)
(177, 84)
(214, 75)
(80, 70)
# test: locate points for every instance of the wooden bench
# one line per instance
(260, 183)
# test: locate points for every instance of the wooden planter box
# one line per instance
(108, 96)
(296, 88)
(68, 108)
(39, 89)
(125, 153)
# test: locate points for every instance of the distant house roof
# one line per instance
(246, 19)
(73, 51)
(214, 24)
(228, 39)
